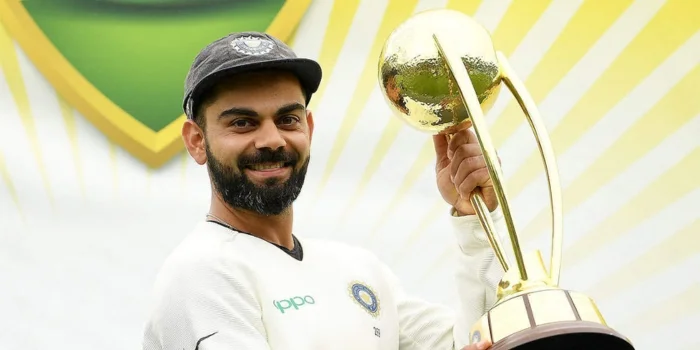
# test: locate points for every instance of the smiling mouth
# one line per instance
(267, 166)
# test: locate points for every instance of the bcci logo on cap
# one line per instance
(130, 86)
(365, 297)
(249, 45)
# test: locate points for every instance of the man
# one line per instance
(243, 280)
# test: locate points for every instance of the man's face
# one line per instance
(258, 136)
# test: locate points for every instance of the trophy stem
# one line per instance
(473, 108)
(482, 212)
(527, 104)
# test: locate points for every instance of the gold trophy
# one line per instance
(439, 72)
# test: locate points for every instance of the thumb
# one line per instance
(441, 147)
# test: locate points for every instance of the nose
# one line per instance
(269, 136)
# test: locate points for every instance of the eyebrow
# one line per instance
(242, 111)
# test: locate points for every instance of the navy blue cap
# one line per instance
(243, 52)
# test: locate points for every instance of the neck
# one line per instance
(275, 229)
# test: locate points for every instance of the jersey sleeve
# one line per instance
(424, 325)
(478, 271)
(204, 306)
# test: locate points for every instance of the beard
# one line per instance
(274, 197)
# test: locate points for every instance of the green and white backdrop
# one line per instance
(95, 189)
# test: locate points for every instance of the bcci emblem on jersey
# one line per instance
(365, 297)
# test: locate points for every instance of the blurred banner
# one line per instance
(96, 190)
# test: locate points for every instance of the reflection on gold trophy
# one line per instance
(440, 73)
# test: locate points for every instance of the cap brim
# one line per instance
(306, 70)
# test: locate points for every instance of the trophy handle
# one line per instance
(527, 104)
(472, 105)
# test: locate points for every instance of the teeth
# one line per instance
(266, 166)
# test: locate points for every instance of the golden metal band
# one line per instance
(529, 107)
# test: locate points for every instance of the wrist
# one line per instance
(469, 231)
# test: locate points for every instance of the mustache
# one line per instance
(268, 156)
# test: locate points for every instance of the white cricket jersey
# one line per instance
(220, 289)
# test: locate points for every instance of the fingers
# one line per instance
(472, 169)
(477, 178)
(482, 345)
(464, 136)
(468, 167)
(468, 153)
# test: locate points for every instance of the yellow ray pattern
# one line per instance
(396, 12)
(516, 23)
(672, 26)
(5, 176)
(640, 138)
(339, 23)
(390, 133)
(674, 308)
(672, 251)
(675, 183)
(9, 63)
(72, 133)
(438, 209)
(588, 24)
(382, 148)
(426, 155)
(293, 36)
(464, 6)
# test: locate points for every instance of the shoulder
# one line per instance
(205, 244)
(205, 283)
(207, 253)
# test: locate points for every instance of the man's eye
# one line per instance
(289, 120)
(241, 123)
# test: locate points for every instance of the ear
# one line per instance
(194, 139)
(310, 122)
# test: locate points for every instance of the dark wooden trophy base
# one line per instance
(547, 319)
(566, 335)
